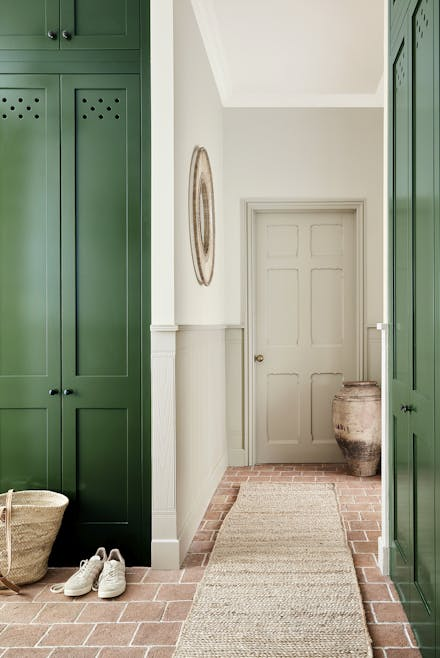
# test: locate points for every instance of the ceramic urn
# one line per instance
(357, 426)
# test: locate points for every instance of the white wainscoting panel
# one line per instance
(235, 397)
(236, 385)
(201, 457)
(374, 350)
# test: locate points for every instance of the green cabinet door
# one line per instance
(101, 338)
(402, 552)
(423, 254)
(69, 24)
(25, 24)
(30, 451)
(414, 133)
(99, 24)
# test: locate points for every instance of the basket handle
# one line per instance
(6, 516)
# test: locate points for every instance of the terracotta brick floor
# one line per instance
(146, 620)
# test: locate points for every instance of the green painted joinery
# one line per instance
(69, 24)
(101, 24)
(74, 266)
(25, 24)
(29, 282)
(415, 258)
(101, 275)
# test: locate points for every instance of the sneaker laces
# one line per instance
(109, 572)
(59, 587)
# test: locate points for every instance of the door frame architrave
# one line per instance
(251, 208)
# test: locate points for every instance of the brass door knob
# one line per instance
(259, 358)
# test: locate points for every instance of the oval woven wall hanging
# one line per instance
(202, 216)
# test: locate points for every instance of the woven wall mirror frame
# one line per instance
(202, 216)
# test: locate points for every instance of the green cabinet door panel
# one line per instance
(25, 24)
(397, 11)
(414, 131)
(101, 275)
(100, 24)
(72, 24)
(422, 418)
(29, 282)
(402, 328)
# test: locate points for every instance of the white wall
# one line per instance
(200, 313)
(304, 154)
(189, 452)
(162, 163)
(198, 121)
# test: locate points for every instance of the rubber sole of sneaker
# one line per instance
(111, 594)
(77, 591)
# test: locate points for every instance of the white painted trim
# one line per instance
(255, 100)
(383, 556)
(250, 210)
(164, 544)
(202, 327)
(156, 328)
(237, 457)
(384, 539)
(162, 161)
(165, 553)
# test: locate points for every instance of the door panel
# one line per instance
(24, 24)
(402, 555)
(101, 24)
(29, 282)
(422, 418)
(101, 310)
(306, 330)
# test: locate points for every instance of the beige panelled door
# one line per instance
(306, 330)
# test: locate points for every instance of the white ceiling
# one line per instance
(295, 53)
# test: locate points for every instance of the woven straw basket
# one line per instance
(29, 524)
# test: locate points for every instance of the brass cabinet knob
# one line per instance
(259, 358)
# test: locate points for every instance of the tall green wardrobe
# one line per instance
(74, 265)
(414, 298)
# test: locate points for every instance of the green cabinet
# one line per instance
(69, 24)
(70, 291)
(74, 266)
(415, 257)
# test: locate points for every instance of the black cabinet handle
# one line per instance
(66, 35)
(53, 391)
(406, 408)
(67, 391)
(52, 35)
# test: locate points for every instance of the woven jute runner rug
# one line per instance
(280, 581)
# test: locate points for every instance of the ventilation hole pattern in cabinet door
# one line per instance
(108, 105)
(21, 106)
(421, 23)
(401, 69)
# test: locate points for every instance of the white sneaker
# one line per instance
(112, 582)
(83, 580)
